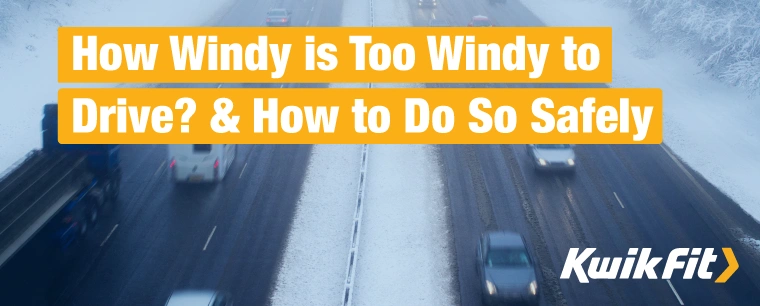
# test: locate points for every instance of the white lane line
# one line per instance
(674, 292)
(432, 15)
(312, 8)
(220, 86)
(209, 238)
(307, 21)
(618, 199)
(283, 85)
(685, 171)
(109, 235)
(161, 167)
(241, 171)
(353, 252)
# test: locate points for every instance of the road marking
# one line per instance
(209, 238)
(220, 86)
(432, 15)
(283, 85)
(312, 8)
(109, 235)
(674, 292)
(307, 21)
(161, 167)
(618, 199)
(241, 171)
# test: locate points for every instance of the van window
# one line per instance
(202, 148)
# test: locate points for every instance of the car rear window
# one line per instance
(202, 148)
(276, 13)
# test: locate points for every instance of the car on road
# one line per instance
(438, 23)
(278, 17)
(552, 156)
(506, 269)
(427, 3)
(197, 163)
(480, 21)
(199, 298)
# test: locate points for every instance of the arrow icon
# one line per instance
(733, 265)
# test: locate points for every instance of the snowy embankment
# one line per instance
(29, 54)
(400, 249)
(709, 125)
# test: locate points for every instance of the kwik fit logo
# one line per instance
(690, 260)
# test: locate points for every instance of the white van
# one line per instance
(200, 162)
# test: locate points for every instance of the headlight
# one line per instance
(570, 162)
(542, 162)
(533, 287)
(490, 287)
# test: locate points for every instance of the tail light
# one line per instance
(174, 162)
(268, 20)
(174, 169)
(283, 20)
(216, 169)
(68, 219)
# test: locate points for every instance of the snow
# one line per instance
(404, 256)
(313, 265)
(28, 53)
(712, 127)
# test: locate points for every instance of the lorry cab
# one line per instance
(195, 163)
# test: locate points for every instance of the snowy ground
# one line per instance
(313, 266)
(404, 256)
(402, 243)
(28, 53)
(711, 126)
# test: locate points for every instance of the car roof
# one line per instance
(479, 17)
(278, 10)
(191, 298)
(504, 239)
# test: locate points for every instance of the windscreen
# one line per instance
(507, 258)
(553, 146)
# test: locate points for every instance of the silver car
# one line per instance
(552, 156)
(199, 298)
(506, 269)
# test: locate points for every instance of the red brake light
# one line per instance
(174, 161)
(216, 164)
(283, 20)
(268, 20)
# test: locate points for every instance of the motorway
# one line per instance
(162, 237)
(621, 197)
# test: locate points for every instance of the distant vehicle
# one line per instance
(278, 17)
(480, 21)
(199, 298)
(197, 163)
(427, 3)
(506, 270)
(552, 156)
(438, 23)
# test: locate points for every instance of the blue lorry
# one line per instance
(49, 201)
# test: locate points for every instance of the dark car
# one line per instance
(438, 23)
(480, 21)
(278, 17)
(506, 269)
(427, 3)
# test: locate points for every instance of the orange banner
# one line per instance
(354, 116)
(335, 54)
